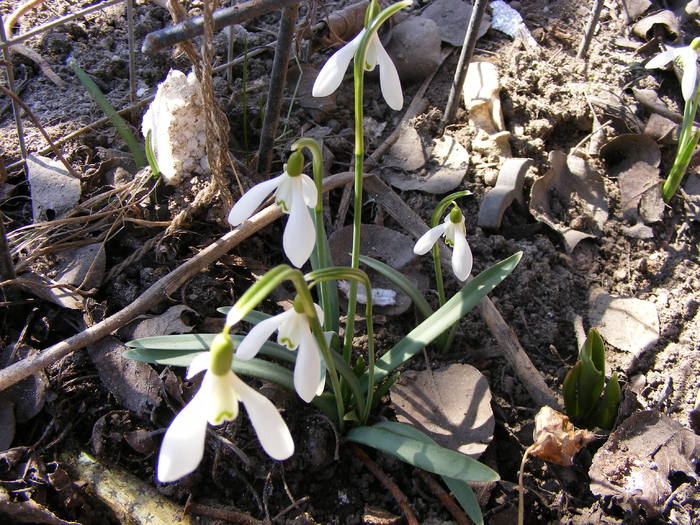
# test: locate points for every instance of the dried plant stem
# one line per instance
(385, 480)
(464, 59)
(231, 516)
(445, 498)
(157, 292)
(590, 29)
(278, 78)
(521, 486)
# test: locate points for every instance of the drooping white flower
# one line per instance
(293, 331)
(295, 192)
(332, 73)
(455, 234)
(216, 402)
(687, 56)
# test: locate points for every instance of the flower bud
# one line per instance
(221, 354)
(295, 164)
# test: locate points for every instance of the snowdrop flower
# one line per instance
(217, 402)
(687, 56)
(293, 331)
(455, 234)
(294, 192)
(332, 73)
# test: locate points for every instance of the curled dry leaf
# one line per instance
(664, 21)
(570, 184)
(448, 165)
(509, 188)
(557, 440)
(388, 246)
(634, 467)
(452, 405)
(634, 159)
(481, 96)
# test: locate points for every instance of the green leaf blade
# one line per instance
(461, 303)
(422, 454)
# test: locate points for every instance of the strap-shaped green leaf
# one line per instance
(117, 121)
(570, 391)
(427, 456)
(462, 491)
(453, 310)
(401, 281)
(162, 349)
(252, 317)
(607, 410)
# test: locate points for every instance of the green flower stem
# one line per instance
(256, 293)
(328, 291)
(359, 75)
(445, 339)
(356, 276)
(687, 141)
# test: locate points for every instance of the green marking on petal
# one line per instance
(224, 416)
(287, 342)
(282, 205)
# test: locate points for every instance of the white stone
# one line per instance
(176, 121)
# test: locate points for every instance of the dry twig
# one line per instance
(385, 480)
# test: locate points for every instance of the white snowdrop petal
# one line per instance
(322, 377)
(428, 239)
(309, 191)
(222, 400)
(199, 363)
(261, 332)
(319, 313)
(661, 59)
(307, 367)
(269, 426)
(299, 234)
(389, 79)
(461, 258)
(183, 444)
(289, 333)
(332, 73)
(372, 55)
(690, 72)
(250, 201)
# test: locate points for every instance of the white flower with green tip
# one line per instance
(216, 402)
(294, 332)
(455, 234)
(333, 71)
(687, 57)
(295, 192)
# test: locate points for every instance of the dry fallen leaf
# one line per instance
(509, 188)
(557, 440)
(452, 405)
(634, 466)
(664, 21)
(570, 186)
(448, 165)
(634, 160)
(54, 191)
(627, 323)
(134, 384)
